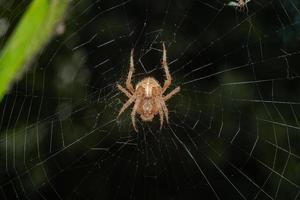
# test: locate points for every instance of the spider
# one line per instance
(240, 4)
(148, 96)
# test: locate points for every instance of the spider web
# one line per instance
(234, 127)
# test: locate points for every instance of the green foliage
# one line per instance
(31, 34)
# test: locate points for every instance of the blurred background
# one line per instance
(234, 127)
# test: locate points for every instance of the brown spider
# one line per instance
(148, 94)
(241, 5)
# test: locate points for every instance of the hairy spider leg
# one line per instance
(128, 103)
(165, 109)
(172, 93)
(124, 91)
(166, 69)
(133, 113)
(131, 70)
(160, 111)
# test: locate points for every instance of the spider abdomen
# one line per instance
(147, 109)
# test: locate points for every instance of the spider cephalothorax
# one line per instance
(148, 95)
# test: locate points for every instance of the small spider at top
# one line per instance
(239, 4)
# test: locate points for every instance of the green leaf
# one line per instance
(31, 34)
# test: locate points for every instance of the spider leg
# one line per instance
(165, 109)
(161, 113)
(133, 113)
(172, 93)
(247, 10)
(166, 68)
(128, 103)
(124, 91)
(129, 77)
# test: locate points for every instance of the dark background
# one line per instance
(234, 127)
